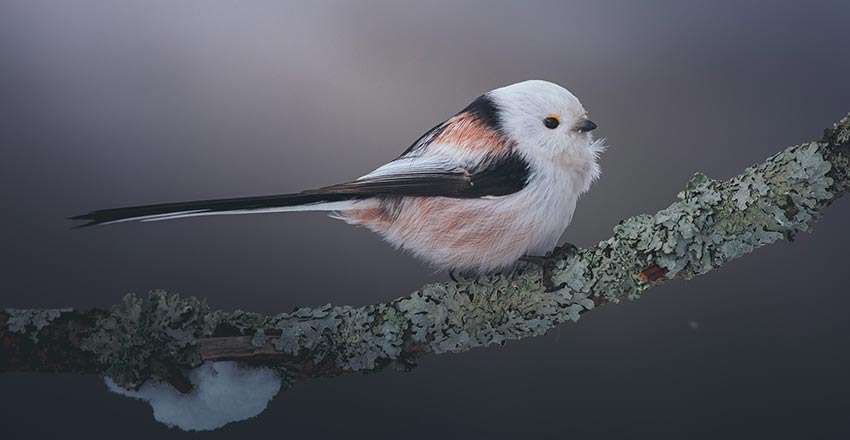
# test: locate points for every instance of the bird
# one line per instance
(493, 184)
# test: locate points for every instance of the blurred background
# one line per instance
(113, 103)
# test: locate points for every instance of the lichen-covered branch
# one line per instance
(712, 223)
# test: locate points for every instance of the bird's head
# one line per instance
(544, 119)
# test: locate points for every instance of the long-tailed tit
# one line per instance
(497, 181)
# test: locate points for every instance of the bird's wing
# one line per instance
(441, 176)
(465, 156)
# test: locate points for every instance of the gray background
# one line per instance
(109, 103)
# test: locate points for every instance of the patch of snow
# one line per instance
(223, 392)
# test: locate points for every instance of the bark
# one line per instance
(712, 223)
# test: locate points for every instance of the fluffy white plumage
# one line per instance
(499, 229)
(497, 181)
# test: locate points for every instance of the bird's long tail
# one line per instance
(327, 199)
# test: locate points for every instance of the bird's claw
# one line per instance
(563, 251)
(458, 276)
(547, 263)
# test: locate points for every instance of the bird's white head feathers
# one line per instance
(523, 107)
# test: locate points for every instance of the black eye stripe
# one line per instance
(551, 122)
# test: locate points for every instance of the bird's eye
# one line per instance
(551, 122)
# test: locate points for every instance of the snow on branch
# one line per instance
(162, 336)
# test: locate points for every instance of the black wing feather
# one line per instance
(497, 178)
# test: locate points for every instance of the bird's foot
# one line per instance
(563, 251)
(547, 263)
(459, 276)
(548, 267)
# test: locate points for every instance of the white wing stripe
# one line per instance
(416, 165)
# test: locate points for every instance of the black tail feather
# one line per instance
(210, 206)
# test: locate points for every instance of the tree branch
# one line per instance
(712, 223)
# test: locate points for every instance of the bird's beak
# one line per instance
(586, 125)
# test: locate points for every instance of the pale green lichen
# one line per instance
(455, 317)
(359, 346)
(842, 131)
(31, 321)
(259, 338)
(303, 329)
(141, 335)
(715, 222)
